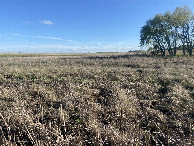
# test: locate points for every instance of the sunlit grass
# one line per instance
(93, 99)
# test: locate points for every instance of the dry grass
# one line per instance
(96, 99)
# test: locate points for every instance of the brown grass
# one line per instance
(96, 99)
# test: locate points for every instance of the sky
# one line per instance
(66, 26)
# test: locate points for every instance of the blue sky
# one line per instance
(59, 26)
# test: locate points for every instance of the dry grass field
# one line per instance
(96, 99)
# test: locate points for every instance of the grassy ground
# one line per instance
(96, 99)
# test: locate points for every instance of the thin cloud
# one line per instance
(47, 22)
(16, 34)
(99, 43)
(52, 38)
(56, 48)
(27, 22)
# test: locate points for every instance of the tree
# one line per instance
(168, 31)
(182, 21)
(157, 32)
(150, 34)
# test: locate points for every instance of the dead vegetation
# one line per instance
(96, 99)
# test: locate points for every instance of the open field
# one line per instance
(96, 99)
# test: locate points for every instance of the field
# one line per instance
(96, 99)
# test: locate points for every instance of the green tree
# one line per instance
(183, 23)
(169, 31)
(157, 32)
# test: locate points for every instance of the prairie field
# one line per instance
(96, 99)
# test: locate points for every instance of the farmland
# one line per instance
(96, 99)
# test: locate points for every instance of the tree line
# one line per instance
(169, 32)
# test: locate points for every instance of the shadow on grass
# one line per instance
(118, 56)
(101, 56)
